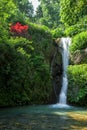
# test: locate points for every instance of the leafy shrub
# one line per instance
(42, 39)
(77, 90)
(79, 42)
(75, 29)
(24, 68)
(24, 79)
(4, 33)
(43, 30)
(13, 70)
(71, 11)
(57, 33)
(40, 80)
(9, 10)
(83, 20)
(24, 64)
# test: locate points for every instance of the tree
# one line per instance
(49, 15)
(71, 11)
(7, 9)
(25, 7)
(39, 12)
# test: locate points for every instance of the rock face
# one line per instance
(79, 57)
(56, 71)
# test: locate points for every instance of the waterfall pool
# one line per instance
(43, 117)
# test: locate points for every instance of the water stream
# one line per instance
(64, 44)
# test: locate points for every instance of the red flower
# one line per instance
(18, 28)
(25, 27)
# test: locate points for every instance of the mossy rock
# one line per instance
(79, 57)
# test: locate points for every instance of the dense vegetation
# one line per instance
(79, 41)
(72, 11)
(77, 92)
(48, 13)
(74, 17)
(26, 49)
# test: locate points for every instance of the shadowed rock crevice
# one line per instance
(56, 71)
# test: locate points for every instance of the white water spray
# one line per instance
(64, 44)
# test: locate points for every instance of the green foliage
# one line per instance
(80, 26)
(58, 32)
(25, 7)
(75, 29)
(72, 10)
(83, 20)
(43, 30)
(4, 34)
(79, 42)
(40, 80)
(42, 39)
(39, 12)
(7, 9)
(19, 18)
(13, 70)
(24, 67)
(77, 90)
(24, 59)
(73, 15)
(24, 76)
(48, 13)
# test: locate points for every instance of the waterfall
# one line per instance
(64, 44)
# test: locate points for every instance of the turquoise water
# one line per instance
(40, 109)
(43, 117)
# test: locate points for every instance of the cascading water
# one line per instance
(65, 56)
(64, 44)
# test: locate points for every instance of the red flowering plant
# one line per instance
(20, 30)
